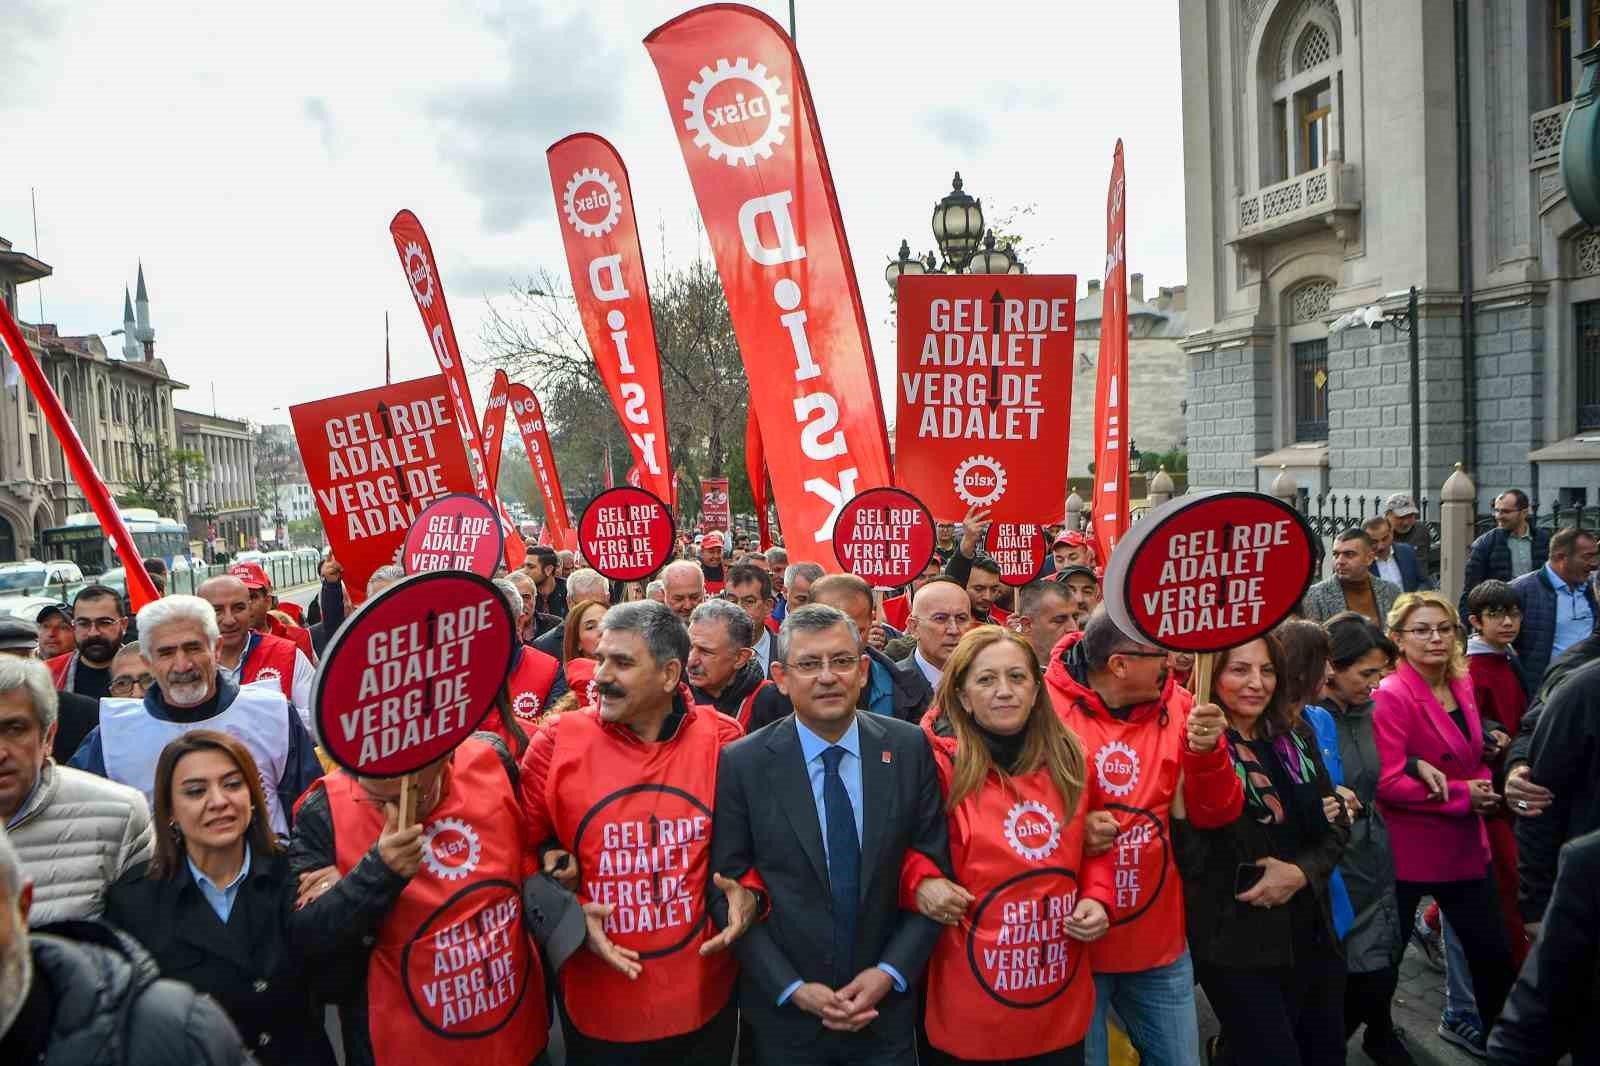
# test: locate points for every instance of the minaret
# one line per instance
(130, 342)
(145, 335)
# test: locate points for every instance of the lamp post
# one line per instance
(959, 233)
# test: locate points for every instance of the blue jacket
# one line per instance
(1538, 634)
(1412, 574)
(1322, 723)
(1490, 558)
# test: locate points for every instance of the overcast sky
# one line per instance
(253, 161)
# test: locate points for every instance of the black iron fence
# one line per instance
(1553, 515)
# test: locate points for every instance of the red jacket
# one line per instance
(1137, 762)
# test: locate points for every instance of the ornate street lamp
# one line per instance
(957, 225)
(992, 260)
(906, 264)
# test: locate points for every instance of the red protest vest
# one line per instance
(1135, 766)
(269, 658)
(749, 705)
(58, 669)
(638, 817)
(297, 635)
(454, 976)
(1008, 983)
(529, 685)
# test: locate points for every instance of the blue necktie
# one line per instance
(844, 864)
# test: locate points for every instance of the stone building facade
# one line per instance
(120, 405)
(223, 507)
(1156, 360)
(1340, 152)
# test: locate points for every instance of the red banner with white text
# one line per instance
(985, 387)
(427, 289)
(1109, 514)
(375, 459)
(141, 590)
(755, 468)
(594, 209)
(715, 510)
(525, 409)
(494, 425)
(746, 125)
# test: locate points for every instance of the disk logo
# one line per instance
(592, 202)
(1118, 768)
(419, 272)
(526, 706)
(1032, 830)
(737, 112)
(269, 673)
(980, 481)
(450, 849)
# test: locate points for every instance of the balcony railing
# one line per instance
(1545, 129)
(1328, 196)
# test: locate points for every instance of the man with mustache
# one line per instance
(98, 624)
(262, 601)
(247, 656)
(626, 788)
(179, 638)
(723, 671)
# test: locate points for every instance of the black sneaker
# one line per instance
(1387, 1049)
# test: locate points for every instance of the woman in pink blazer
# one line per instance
(1424, 712)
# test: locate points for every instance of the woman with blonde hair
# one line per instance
(1008, 979)
(1425, 712)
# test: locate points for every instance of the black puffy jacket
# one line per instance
(111, 1006)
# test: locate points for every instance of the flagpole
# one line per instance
(387, 364)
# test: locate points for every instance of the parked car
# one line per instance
(32, 576)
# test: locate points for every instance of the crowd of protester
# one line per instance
(752, 811)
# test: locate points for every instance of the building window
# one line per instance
(1561, 42)
(1310, 390)
(1586, 317)
(1313, 111)
(1300, 71)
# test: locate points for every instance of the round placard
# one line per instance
(627, 533)
(1210, 571)
(413, 672)
(1019, 548)
(884, 536)
(455, 532)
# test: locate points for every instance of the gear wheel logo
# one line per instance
(743, 122)
(1118, 768)
(589, 195)
(419, 272)
(269, 673)
(1032, 830)
(450, 849)
(526, 706)
(980, 481)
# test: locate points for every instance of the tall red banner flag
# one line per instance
(427, 289)
(375, 460)
(494, 424)
(985, 384)
(716, 511)
(1109, 514)
(536, 439)
(141, 590)
(755, 468)
(748, 131)
(594, 208)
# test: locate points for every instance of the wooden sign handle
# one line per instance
(408, 800)
(1203, 662)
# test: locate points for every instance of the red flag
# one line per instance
(1109, 514)
(594, 207)
(536, 439)
(141, 590)
(715, 511)
(755, 468)
(494, 423)
(422, 274)
(375, 459)
(746, 125)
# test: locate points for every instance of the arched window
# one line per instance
(1301, 66)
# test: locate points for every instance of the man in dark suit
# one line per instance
(1396, 563)
(824, 805)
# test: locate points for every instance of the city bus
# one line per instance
(82, 541)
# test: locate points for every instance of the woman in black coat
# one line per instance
(213, 905)
(1256, 890)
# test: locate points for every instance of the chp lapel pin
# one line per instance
(888, 757)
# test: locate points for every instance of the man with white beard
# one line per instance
(86, 993)
(179, 637)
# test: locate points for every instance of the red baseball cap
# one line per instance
(252, 574)
(712, 540)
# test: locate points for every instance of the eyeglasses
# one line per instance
(126, 684)
(95, 623)
(1443, 629)
(837, 664)
(1495, 613)
(945, 621)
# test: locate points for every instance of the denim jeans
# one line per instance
(1458, 1000)
(1156, 1007)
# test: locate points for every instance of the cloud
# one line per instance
(495, 135)
(958, 128)
(317, 111)
(30, 28)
